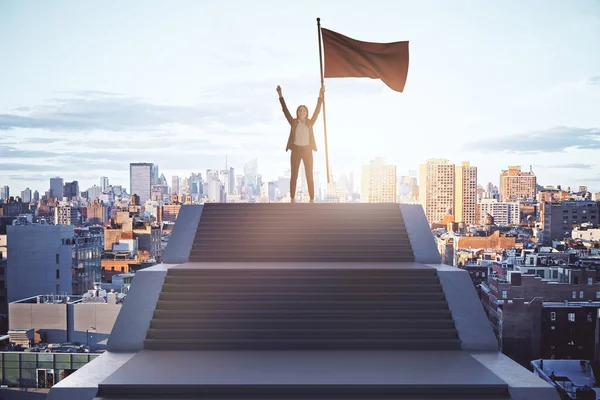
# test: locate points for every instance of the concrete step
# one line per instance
(328, 397)
(301, 305)
(302, 344)
(368, 271)
(307, 280)
(284, 287)
(300, 295)
(274, 237)
(311, 333)
(268, 256)
(299, 323)
(294, 314)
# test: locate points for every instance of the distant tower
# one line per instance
(141, 176)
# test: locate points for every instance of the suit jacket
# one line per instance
(294, 123)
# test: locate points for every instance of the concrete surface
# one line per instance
(474, 329)
(130, 328)
(83, 383)
(183, 234)
(419, 234)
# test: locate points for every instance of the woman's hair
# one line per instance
(298, 110)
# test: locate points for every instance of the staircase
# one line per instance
(302, 309)
(302, 301)
(301, 232)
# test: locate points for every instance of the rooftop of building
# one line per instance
(568, 374)
(91, 297)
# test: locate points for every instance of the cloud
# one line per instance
(92, 110)
(591, 179)
(567, 166)
(32, 177)
(11, 167)
(557, 139)
(13, 152)
(594, 80)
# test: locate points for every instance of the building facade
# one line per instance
(378, 182)
(56, 187)
(26, 196)
(559, 219)
(39, 260)
(436, 189)
(141, 179)
(504, 213)
(4, 193)
(466, 194)
(516, 185)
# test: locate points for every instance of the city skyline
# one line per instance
(82, 98)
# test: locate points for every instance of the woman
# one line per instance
(301, 142)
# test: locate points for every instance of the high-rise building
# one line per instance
(227, 178)
(516, 185)
(466, 194)
(71, 190)
(26, 195)
(94, 192)
(36, 196)
(104, 183)
(436, 188)
(56, 187)
(4, 192)
(503, 213)
(175, 183)
(155, 176)
(65, 214)
(251, 175)
(140, 180)
(378, 182)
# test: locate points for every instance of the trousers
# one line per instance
(304, 154)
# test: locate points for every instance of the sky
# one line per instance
(88, 87)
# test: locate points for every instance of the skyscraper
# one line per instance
(175, 184)
(378, 182)
(436, 188)
(466, 194)
(155, 176)
(4, 192)
(71, 190)
(516, 185)
(36, 196)
(103, 183)
(140, 180)
(26, 195)
(56, 187)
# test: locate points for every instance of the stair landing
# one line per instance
(269, 374)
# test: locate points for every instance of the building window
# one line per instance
(552, 328)
(57, 259)
(598, 295)
(571, 316)
(58, 274)
(553, 316)
(576, 280)
(590, 281)
(574, 294)
(589, 317)
(504, 294)
(581, 294)
(58, 288)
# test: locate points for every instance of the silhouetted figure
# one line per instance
(301, 142)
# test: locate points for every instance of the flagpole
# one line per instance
(324, 114)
